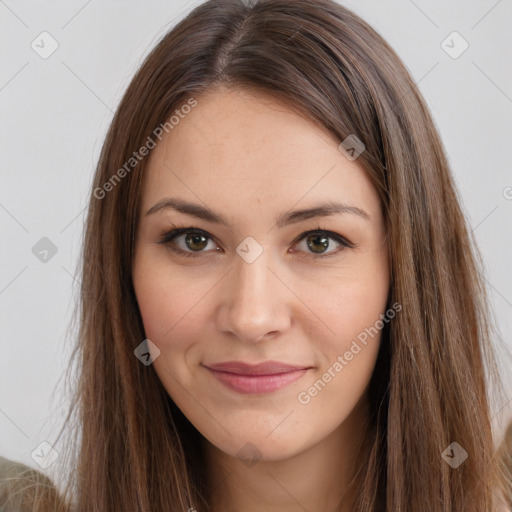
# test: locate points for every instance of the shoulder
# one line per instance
(11, 468)
(21, 486)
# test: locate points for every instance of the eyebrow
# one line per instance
(284, 219)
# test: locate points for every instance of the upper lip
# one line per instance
(265, 368)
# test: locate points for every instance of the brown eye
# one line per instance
(195, 241)
(319, 242)
(186, 241)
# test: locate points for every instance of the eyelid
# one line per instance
(168, 237)
(339, 239)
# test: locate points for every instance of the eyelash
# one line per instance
(169, 236)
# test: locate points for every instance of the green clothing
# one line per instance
(21, 486)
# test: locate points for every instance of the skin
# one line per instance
(250, 158)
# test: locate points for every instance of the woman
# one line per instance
(281, 305)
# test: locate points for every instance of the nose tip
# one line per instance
(254, 303)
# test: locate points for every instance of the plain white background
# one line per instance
(55, 112)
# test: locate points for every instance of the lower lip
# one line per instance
(257, 383)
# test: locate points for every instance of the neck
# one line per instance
(315, 479)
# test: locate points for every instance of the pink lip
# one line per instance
(260, 378)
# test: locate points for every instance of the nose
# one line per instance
(255, 302)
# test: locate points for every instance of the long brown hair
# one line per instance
(431, 385)
(504, 457)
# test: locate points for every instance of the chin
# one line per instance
(252, 448)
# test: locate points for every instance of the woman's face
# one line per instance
(251, 285)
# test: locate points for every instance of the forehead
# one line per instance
(244, 147)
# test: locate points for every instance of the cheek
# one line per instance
(351, 306)
(347, 304)
(169, 304)
(173, 316)
(348, 357)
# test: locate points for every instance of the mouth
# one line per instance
(260, 378)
